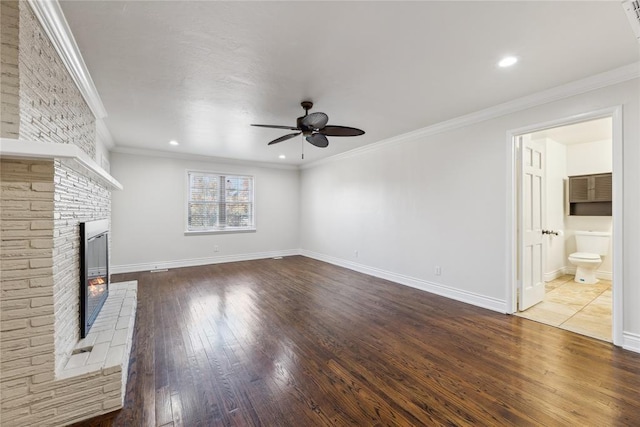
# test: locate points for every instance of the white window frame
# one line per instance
(220, 228)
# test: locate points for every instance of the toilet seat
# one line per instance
(586, 256)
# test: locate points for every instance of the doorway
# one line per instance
(542, 286)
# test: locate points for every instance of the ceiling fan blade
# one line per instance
(318, 139)
(340, 131)
(284, 138)
(315, 120)
(277, 127)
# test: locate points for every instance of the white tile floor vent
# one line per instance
(632, 7)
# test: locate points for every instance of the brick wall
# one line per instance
(76, 199)
(52, 109)
(9, 87)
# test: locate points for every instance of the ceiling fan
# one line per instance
(314, 127)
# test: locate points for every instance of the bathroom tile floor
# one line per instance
(584, 309)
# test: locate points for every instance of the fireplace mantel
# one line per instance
(69, 154)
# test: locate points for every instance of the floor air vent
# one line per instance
(632, 7)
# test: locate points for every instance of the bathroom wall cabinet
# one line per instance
(590, 195)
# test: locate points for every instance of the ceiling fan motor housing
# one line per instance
(306, 130)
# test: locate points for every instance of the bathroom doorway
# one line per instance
(544, 288)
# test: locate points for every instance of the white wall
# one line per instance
(148, 216)
(555, 174)
(589, 157)
(442, 200)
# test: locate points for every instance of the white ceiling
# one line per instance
(201, 72)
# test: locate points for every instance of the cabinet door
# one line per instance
(602, 188)
(579, 189)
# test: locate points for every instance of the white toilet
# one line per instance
(590, 245)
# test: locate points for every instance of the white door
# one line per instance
(531, 215)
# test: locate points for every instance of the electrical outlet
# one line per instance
(438, 270)
(355, 253)
(216, 249)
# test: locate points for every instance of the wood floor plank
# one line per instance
(298, 342)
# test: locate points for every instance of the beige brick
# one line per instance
(14, 284)
(41, 243)
(41, 168)
(16, 304)
(15, 392)
(27, 313)
(41, 302)
(44, 340)
(16, 205)
(42, 206)
(14, 225)
(27, 332)
(12, 417)
(42, 320)
(41, 281)
(44, 358)
(20, 264)
(10, 366)
(41, 225)
(40, 263)
(14, 345)
(43, 187)
(26, 273)
(12, 325)
(25, 372)
(46, 377)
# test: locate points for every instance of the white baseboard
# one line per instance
(165, 265)
(553, 275)
(435, 288)
(604, 275)
(631, 341)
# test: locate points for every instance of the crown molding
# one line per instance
(55, 25)
(200, 158)
(598, 81)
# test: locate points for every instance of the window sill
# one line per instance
(225, 231)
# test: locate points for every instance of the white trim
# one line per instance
(618, 75)
(166, 265)
(631, 342)
(55, 25)
(615, 113)
(423, 285)
(553, 275)
(69, 154)
(617, 260)
(199, 158)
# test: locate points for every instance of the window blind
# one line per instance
(219, 202)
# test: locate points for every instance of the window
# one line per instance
(219, 202)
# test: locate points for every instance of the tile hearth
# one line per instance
(108, 343)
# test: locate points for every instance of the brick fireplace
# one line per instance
(50, 183)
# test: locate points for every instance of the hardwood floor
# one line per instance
(297, 342)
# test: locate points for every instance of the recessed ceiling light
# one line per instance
(282, 156)
(173, 142)
(507, 61)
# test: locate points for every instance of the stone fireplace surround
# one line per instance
(49, 375)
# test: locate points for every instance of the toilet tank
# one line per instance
(594, 242)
